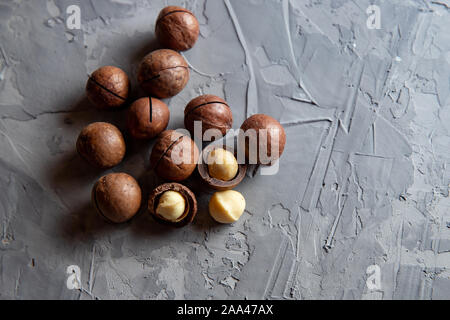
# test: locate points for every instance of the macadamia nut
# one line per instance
(177, 28)
(171, 206)
(227, 206)
(102, 145)
(267, 130)
(108, 88)
(174, 156)
(222, 164)
(117, 197)
(163, 73)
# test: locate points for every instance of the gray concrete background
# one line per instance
(364, 180)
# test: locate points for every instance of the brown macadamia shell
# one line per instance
(108, 88)
(213, 112)
(189, 197)
(117, 197)
(147, 118)
(177, 28)
(174, 145)
(259, 122)
(163, 73)
(102, 145)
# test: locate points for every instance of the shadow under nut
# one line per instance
(102, 145)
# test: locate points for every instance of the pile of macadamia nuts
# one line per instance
(175, 156)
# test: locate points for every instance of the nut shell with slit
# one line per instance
(147, 118)
(174, 156)
(108, 88)
(163, 73)
(177, 28)
(213, 113)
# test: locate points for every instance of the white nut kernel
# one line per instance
(222, 165)
(227, 206)
(171, 206)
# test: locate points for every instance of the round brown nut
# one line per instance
(163, 73)
(174, 156)
(190, 204)
(147, 118)
(102, 145)
(108, 88)
(215, 183)
(117, 197)
(213, 112)
(177, 28)
(269, 133)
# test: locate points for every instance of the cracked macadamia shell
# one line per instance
(108, 88)
(147, 118)
(163, 73)
(102, 145)
(177, 28)
(213, 113)
(190, 204)
(174, 156)
(276, 138)
(217, 184)
(117, 197)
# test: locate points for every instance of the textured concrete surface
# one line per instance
(364, 180)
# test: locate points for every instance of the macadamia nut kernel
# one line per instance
(222, 165)
(171, 206)
(227, 206)
(166, 203)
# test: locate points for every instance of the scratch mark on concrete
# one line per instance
(252, 90)
(91, 270)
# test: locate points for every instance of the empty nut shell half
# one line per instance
(216, 184)
(189, 197)
(163, 73)
(213, 113)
